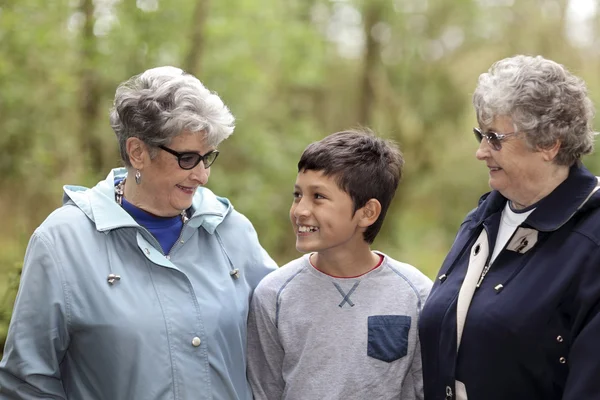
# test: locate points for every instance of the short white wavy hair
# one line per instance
(543, 99)
(163, 102)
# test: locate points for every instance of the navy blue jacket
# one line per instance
(533, 327)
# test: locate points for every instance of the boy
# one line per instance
(341, 321)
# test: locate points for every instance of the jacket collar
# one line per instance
(553, 210)
(100, 206)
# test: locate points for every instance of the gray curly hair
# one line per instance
(543, 99)
(161, 103)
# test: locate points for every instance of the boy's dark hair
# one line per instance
(363, 165)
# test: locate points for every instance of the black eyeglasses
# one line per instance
(189, 159)
(493, 138)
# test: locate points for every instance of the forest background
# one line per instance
(292, 71)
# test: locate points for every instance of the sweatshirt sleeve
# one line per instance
(265, 352)
(37, 335)
(416, 372)
(416, 369)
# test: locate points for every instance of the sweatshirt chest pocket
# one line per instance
(388, 337)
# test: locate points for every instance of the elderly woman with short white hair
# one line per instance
(515, 311)
(139, 287)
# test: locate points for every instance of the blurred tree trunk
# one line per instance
(371, 16)
(89, 95)
(193, 60)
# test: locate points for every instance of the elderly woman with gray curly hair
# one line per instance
(514, 313)
(139, 287)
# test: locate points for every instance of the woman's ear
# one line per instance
(550, 153)
(369, 213)
(137, 152)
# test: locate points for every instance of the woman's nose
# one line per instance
(483, 151)
(201, 174)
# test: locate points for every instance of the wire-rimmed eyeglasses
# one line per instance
(493, 138)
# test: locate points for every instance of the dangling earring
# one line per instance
(138, 176)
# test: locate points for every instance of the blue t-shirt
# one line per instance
(165, 229)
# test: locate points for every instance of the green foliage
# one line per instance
(292, 72)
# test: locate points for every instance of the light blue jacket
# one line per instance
(172, 327)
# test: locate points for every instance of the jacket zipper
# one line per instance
(521, 246)
(449, 395)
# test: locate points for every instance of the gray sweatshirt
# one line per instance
(315, 337)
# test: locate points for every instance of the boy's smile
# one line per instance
(322, 216)
(304, 229)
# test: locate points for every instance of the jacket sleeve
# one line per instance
(583, 358)
(263, 264)
(37, 335)
(245, 250)
(265, 352)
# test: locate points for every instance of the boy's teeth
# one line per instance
(306, 229)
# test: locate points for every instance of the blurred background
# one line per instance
(292, 71)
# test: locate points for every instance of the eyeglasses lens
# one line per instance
(189, 161)
(210, 158)
(478, 134)
(491, 137)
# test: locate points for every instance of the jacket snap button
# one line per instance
(562, 360)
(559, 339)
(196, 341)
